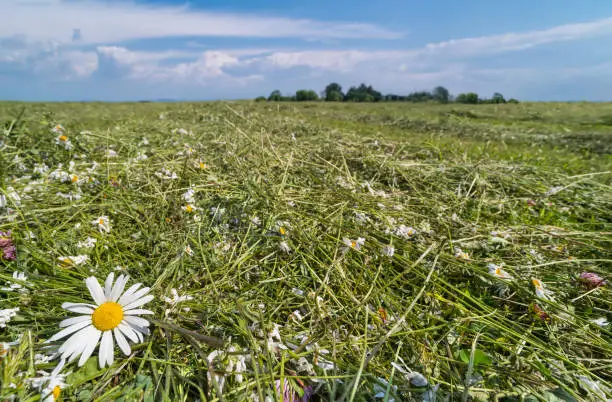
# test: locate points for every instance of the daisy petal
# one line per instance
(75, 344)
(95, 289)
(108, 285)
(126, 300)
(138, 302)
(81, 308)
(118, 288)
(122, 342)
(136, 321)
(67, 331)
(92, 342)
(74, 320)
(137, 311)
(129, 292)
(106, 349)
(129, 332)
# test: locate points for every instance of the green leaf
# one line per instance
(88, 372)
(480, 357)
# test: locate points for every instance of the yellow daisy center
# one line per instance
(100, 221)
(202, 165)
(107, 316)
(63, 138)
(56, 392)
(74, 178)
(282, 231)
(353, 244)
(188, 208)
(498, 271)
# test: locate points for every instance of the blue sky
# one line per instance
(226, 49)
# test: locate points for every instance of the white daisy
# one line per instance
(498, 272)
(189, 196)
(113, 312)
(103, 224)
(63, 141)
(540, 290)
(50, 385)
(187, 250)
(354, 244)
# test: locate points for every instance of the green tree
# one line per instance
(275, 96)
(469, 98)
(441, 94)
(333, 92)
(306, 95)
(420, 96)
(260, 99)
(498, 98)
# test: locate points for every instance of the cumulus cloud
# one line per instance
(114, 22)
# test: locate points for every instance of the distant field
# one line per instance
(361, 252)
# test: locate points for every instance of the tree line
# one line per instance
(366, 93)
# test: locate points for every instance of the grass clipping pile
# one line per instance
(236, 252)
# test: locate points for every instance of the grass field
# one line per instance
(317, 251)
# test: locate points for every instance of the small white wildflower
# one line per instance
(74, 260)
(361, 217)
(41, 168)
(63, 141)
(291, 204)
(354, 244)
(6, 315)
(284, 247)
(58, 129)
(89, 242)
(497, 271)
(41, 359)
(13, 196)
(176, 298)
(461, 255)
(187, 250)
(166, 174)
(144, 141)
(77, 226)
(297, 292)
(388, 250)
(141, 157)
(256, 220)
(111, 153)
(50, 385)
(20, 165)
(102, 223)
(296, 316)
(19, 277)
(189, 196)
(540, 290)
(407, 232)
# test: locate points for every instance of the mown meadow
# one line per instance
(305, 251)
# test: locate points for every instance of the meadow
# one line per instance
(305, 251)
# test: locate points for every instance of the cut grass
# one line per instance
(454, 173)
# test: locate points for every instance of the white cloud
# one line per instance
(519, 41)
(67, 65)
(114, 22)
